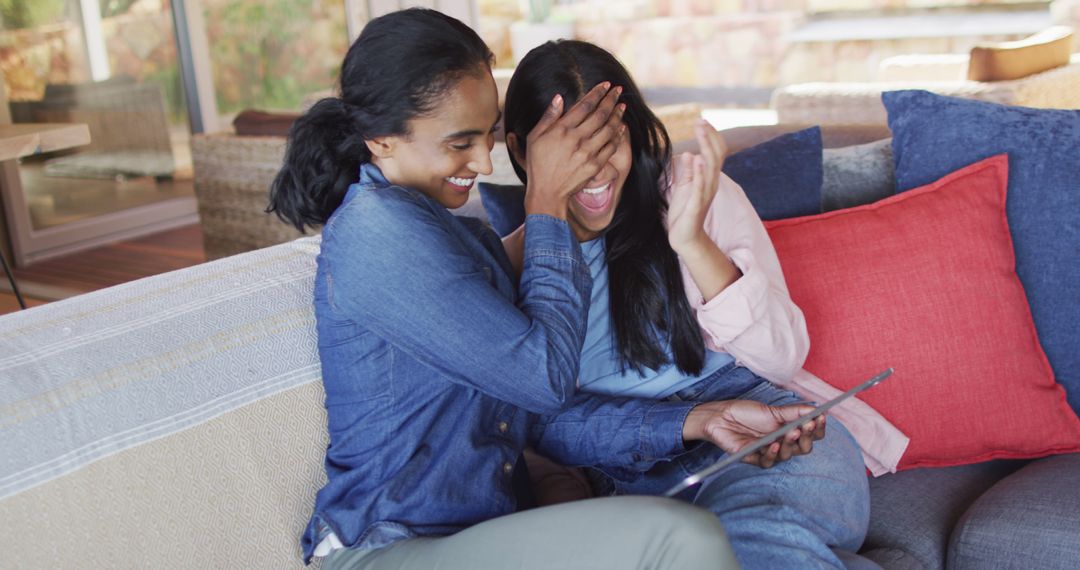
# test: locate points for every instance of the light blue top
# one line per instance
(600, 371)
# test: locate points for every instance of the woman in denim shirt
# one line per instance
(437, 369)
(689, 304)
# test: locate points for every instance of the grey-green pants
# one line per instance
(609, 532)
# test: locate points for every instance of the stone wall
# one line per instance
(696, 51)
(747, 43)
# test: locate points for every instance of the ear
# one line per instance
(513, 145)
(381, 147)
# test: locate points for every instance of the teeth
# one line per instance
(460, 181)
(596, 190)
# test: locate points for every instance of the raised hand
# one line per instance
(564, 151)
(733, 424)
(696, 178)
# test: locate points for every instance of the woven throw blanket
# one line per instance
(90, 376)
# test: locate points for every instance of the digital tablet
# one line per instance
(771, 437)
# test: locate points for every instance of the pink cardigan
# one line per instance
(755, 321)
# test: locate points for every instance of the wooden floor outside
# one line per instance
(106, 266)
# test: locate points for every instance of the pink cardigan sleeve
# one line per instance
(755, 321)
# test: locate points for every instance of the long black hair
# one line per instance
(395, 71)
(647, 301)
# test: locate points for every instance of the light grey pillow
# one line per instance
(856, 175)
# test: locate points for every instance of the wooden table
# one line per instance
(25, 139)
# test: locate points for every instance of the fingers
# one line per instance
(551, 114)
(605, 142)
(701, 181)
(819, 431)
(806, 438)
(789, 413)
(600, 116)
(712, 144)
(592, 100)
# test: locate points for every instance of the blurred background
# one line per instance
(145, 75)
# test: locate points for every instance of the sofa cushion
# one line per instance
(781, 176)
(857, 175)
(924, 282)
(504, 204)
(1027, 520)
(1043, 51)
(913, 512)
(934, 135)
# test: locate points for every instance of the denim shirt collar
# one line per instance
(372, 177)
(370, 174)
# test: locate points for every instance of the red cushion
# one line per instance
(925, 282)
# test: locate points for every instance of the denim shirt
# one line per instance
(438, 372)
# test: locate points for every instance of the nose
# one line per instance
(481, 160)
(606, 174)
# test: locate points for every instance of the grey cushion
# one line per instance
(856, 175)
(914, 511)
(1030, 519)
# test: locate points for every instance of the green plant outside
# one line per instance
(270, 55)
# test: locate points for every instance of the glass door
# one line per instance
(112, 65)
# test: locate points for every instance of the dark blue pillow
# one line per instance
(504, 204)
(934, 135)
(781, 176)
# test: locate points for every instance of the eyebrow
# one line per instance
(473, 132)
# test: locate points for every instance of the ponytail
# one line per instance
(395, 71)
(322, 158)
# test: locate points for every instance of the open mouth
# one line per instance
(461, 184)
(595, 200)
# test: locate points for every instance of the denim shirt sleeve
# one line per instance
(609, 431)
(395, 267)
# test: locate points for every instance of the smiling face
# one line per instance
(591, 210)
(446, 148)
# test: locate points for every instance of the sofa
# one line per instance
(177, 422)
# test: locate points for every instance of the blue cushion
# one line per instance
(781, 176)
(1027, 520)
(934, 135)
(504, 204)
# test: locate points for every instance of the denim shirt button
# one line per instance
(503, 427)
(508, 468)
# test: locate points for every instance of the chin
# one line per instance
(454, 202)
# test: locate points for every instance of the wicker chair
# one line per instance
(232, 178)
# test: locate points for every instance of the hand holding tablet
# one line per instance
(747, 450)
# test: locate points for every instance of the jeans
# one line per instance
(811, 511)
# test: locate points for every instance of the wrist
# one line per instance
(694, 426)
(697, 423)
(698, 247)
(548, 206)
